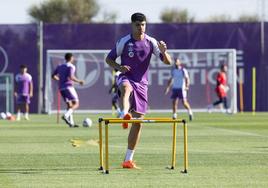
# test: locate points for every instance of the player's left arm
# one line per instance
(73, 78)
(31, 89)
(163, 49)
(187, 83)
(16, 89)
(187, 79)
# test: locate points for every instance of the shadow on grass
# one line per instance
(45, 170)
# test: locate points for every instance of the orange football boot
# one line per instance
(129, 164)
(126, 117)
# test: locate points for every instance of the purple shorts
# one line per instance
(69, 94)
(179, 93)
(23, 99)
(139, 97)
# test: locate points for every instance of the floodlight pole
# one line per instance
(40, 87)
(262, 28)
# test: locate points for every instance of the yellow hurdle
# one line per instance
(108, 121)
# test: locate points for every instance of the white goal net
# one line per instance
(202, 65)
(7, 92)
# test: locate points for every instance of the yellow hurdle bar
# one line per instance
(100, 146)
(160, 120)
(185, 135)
(106, 149)
(144, 120)
(174, 141)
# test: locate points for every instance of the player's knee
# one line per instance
(75, 104)
(125, 87)
(185, 102)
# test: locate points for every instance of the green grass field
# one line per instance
(224, 151)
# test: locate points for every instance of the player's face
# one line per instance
(224, 68)
(178, 63)
(138, 28)
(23, 70)
(72, 59)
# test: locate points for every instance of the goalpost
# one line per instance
(202, 65)
(6, 92)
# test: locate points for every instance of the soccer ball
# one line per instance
(3, 115)
(87, 122)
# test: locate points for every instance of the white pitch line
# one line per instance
(193, 150)
(236, 131)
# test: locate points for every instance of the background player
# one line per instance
(23, 91)
(115, 93)
(64, 73)
(135, 50)
(180, 82)
(221, 89)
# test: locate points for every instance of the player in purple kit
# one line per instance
(64, 74)
(23, 91)
(135, 50)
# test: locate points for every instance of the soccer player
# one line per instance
(135, 50)
(64, 74)
(221, 89)
(115, 93)
(180, 82)
(23, 91)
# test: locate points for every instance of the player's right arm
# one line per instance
(55, 75)
(168, 85)
(116, 52)
(112, 63)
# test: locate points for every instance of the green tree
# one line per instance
(248, 18)
(64, 11)
(174, 15)
(220, 18)
(108, 17)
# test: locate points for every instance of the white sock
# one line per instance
(125, 111)
(26, 115)
(18, 115)
(174, 115)
(68, 113)
(190, 112)
(71, 119)
(129, 155)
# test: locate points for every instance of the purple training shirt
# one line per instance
(136, 54)
(65, 71)
(23, 82)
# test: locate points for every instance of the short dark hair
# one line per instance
(223, 65)
(23, 66)
(68, 56)
(138, 17)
